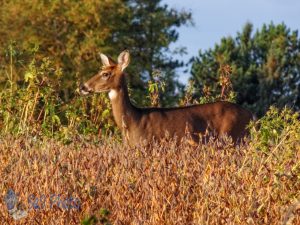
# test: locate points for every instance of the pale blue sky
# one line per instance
(215, 19)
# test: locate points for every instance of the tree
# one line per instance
(147, 29)
(69, 32)
(72, 33)
(265, 66)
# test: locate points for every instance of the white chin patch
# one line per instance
(84, 92)
(112, 94)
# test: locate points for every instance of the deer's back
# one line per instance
(219, 118)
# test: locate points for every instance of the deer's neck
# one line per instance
(125, 114)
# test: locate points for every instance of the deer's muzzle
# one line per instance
(84, 89)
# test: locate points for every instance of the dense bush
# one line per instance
(34, 106)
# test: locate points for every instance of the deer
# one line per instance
(143, 125)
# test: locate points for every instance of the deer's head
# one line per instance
(109, 77)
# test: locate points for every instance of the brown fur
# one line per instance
(141, 125)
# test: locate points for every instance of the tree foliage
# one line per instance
(152, 30)
(72, 33)
(265, 66)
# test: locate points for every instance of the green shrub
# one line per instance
(277, 127)
(33, 105)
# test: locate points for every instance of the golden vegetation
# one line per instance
(166, 184)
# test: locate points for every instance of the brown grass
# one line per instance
(163, 185)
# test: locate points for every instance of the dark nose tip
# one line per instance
(83, 89)
(81, 86)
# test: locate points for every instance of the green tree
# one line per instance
(72, 33)
(265, 66)
(152, 30)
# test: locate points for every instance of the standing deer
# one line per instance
(142, 125)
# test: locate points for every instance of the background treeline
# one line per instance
(48, 47)
(72, 33)
(265, 67)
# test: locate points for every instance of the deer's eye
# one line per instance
(105, 76)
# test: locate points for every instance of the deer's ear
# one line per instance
(105, 60)
(124, 59)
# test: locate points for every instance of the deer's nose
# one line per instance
(84, 89)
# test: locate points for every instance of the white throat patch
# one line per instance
(112, 94)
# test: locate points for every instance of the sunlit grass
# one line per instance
(166, 184)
